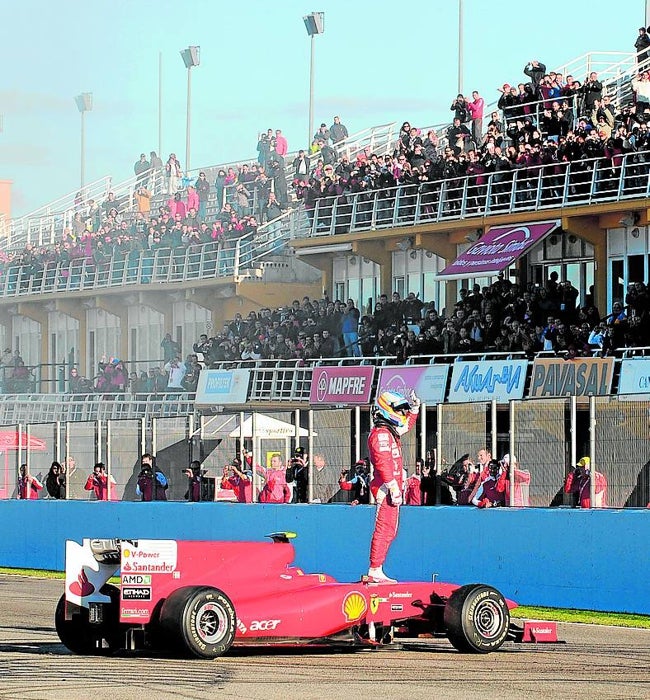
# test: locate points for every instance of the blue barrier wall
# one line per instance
(588, 559)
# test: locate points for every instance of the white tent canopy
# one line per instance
(265, 427)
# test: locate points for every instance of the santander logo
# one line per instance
(82, 586)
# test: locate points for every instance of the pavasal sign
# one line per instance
(580, 377)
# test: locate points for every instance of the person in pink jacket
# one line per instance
(192, 198)
(275, 489)
(475, 108)
(281, 145)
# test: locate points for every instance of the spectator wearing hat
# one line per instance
(323, 134)
(239, 478)
(298, 475)
(357, 481)
(194, 476)
(578, 482)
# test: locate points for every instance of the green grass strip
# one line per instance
(583, 616)
(42, 573)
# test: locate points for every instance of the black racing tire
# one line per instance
(83, 638)
(477, 619)
(199, 621)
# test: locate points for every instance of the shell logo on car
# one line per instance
(354, 606)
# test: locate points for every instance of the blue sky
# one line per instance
(377, 62)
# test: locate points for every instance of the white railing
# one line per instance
(554, 186)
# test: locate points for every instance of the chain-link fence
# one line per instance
(622, 450)
(546, 438)
(462, 429)
(540, 451)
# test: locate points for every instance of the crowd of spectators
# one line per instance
(547, 122)
(172, 375)
(496, 318)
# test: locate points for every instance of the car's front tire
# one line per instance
(477, 619)
(199, 620)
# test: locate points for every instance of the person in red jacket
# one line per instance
(28, 485)
(413, 492)
(275, 489)
(521, 479)
(393, 415)
(579, 481)
(100, 484)
(239, 478)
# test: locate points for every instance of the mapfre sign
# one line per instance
(583, 376)
(341, 385)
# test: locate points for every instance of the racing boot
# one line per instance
(376, 575)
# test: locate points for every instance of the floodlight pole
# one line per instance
(84, 104)
(189, 119)
(310, 135)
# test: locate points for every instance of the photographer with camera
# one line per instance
(99, 483)
(357, 481)
(578, 482)
(298, 475)
(152, 483)
(194, 475)
(463, 478)
(55, 481)
(487, 495)
(28, 485)
(239, 478)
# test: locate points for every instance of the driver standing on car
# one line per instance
(393, 415)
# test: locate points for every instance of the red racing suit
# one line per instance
(385, 453)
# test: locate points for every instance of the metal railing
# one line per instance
(552, 186)
(43, 408)
(46, 225)
(615, 71)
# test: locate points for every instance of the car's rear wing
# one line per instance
(88, 566)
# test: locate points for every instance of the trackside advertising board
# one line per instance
(634, 381)
(427, 381)
(341, 385)
(580, 377)
(487, 380)
(217, 386)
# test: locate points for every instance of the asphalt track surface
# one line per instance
(595, 662)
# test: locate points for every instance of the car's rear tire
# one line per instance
(477, 619)
(81, 636)
(199, 620)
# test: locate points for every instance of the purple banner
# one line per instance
(341, 385)
(499, 247)
(428, 382)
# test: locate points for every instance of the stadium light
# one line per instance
(84, 104)
(314, 24)
(191, 57)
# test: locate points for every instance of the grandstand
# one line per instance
(364, 226)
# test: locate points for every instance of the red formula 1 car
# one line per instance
(201, 598)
